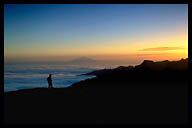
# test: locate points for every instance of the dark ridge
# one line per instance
(152, 92)
(148, 71)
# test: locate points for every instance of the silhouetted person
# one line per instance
(49, 80)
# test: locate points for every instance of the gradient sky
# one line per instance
(109, 31)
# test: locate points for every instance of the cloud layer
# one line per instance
(162, 49)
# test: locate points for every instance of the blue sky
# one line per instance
(78, 29)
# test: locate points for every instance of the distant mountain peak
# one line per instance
(182, 59)
(82, 60)
(147, 62)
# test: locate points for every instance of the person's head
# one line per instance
(50, 75)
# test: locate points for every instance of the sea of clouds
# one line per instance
(33, 75)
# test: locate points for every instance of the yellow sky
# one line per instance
(155, 48)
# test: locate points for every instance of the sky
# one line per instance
(58, 32)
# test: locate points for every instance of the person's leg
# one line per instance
(51, 85)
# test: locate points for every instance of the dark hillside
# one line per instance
(153, 92)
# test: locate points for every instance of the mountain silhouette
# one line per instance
(152, 92)
(147, 72)
(165, 65)
(147, 65)
(81, 60)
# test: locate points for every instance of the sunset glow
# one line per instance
(102, 32)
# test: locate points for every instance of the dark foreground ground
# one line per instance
(149, 93)
(97, 105)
